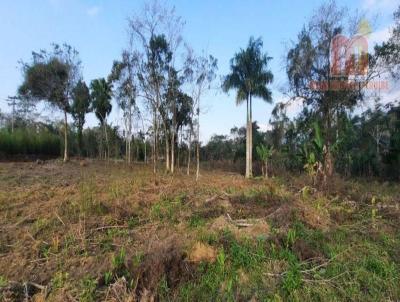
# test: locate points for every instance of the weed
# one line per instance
(59, 279)
(87, 202)
(118, 261)
(290, 237)
(106, 244)
(163, 289)
(137, 259)
(133, 222)
(40, 224)
(291, 280)
(167, 209)
(208, 237)
(247, 255)
(88, 287)
(44, 250)
(108, 276)
(221, 258)
(196, 221)
(3, 281)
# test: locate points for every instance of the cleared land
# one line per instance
(94, 231)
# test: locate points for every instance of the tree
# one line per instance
(80, 106)
(389, 51)
(249, 76)
(101, 94)
(264, 153)
(310, 62)
(123, 75)
(201, 74)
(51, 77)
(156, 34)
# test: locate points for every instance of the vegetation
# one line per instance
(93, 233)
(316, 216)
(250, 77)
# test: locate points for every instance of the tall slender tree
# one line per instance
(202, 74)
(250, 77)
(123, 74)
(81, 105)
(156, 35)
(101, 94)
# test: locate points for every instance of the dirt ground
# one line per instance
(97, 231)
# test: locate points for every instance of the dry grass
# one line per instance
(104, 231)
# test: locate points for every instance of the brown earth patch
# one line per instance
(166, 260)
(202, 252)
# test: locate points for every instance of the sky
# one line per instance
(98, 30)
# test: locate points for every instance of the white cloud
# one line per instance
(379, 36)
(377, 6)
(93, 11)
(265, 127)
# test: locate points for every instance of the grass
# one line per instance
(113, 222)
(168, 208)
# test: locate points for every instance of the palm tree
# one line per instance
(101, 94)
(249, 76)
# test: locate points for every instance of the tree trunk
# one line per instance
(126, 150)
(137, 151)
(65, 136)
(167, 163)
(198, 142)
(178, 158)
(172, 151)
(247, 141)
(173, 135)
(145, 152)
(80, 142)
(189, 151)
(107, 144)
(155, 143)
(251, 139)
(266, 169)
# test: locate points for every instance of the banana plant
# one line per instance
(313, 157)
(264, 153)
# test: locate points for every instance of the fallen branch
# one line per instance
(107, 227)
(59, 218)
(243, 223)
(22, 220)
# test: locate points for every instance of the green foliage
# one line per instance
(196, 221)
(3, 281)
(118, 260)
(88, 287)
(249, 73)
(101, 94)
(264, 153)
(108, 276)
(59, 280)
(167, 209)
(29, 142)
(80, 106)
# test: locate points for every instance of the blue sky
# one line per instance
(98, 30)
